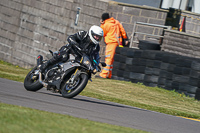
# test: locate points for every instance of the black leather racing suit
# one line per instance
(80, 41)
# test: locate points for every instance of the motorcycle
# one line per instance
(67, 78)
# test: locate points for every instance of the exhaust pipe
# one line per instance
(40, 80)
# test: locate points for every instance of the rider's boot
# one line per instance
(47, 64)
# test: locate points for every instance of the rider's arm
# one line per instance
(97, 58)
(75, 39)
(96, 54)
(72, 39)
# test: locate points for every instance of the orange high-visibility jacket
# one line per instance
(113, 31)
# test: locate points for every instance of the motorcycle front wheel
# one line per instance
(32, 83)
(70, 90)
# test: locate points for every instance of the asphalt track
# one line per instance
(12, 92)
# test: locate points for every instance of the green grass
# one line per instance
(138, 95)
(12, 72)
(17, 119)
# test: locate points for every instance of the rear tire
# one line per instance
(83, 80)
(30, 84)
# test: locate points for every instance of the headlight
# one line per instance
(86, 62)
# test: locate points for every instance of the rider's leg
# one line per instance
(62, 55)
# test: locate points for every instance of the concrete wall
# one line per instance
(129, 14)
(192, 22)
(181, 43)
(29, 28)
(32, 27)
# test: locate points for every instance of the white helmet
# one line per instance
(95, 33)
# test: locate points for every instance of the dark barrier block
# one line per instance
(198, 84)
(135, 61)
(129, 61)
(190, 95)
(161, 81)
(166, 74)
(152, 71)
(114, 77)
(136, 69)
(142, 62)
(147, 45)
(161, 86)
(139, 69)
(137, 76)
(186, 71)
(126, 74)
(116, 64)
(193, 81)
(129, 68)
(197, 95)
(173, 58)
(168, 84)
(122, 59)
(150, 84)
(157, 64)
(178, 70)
(114, 72)
(122, 66)
(119, 78)
(151, 78)
(184, 86)
(166, 58)
(171, 68)
(180, 78)
(156, 71)
(194, 74)
(118, 49)
(149, 63)
(195, 65)
(136, 81)
(164, 66)
(117, 57)
(149, 54)
(182, 71)
(120, 73)
(175, 85)
(139, 62)
(138, 53)
(191, 89)
(124, 51)
(182, 62)
(159, 56)
(149, 70)
(132, 53)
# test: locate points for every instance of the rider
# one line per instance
(87, 42)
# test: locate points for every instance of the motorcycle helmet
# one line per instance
(96, 34)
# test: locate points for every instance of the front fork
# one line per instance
(74, 76)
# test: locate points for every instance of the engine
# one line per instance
(53, 74)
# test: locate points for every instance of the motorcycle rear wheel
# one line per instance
(78, 85)
(30, 84)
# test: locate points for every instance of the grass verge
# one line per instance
(16, 119)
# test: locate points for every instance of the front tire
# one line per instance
(79, 85)
(31, 84)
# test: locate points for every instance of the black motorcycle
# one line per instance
(67, 78)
